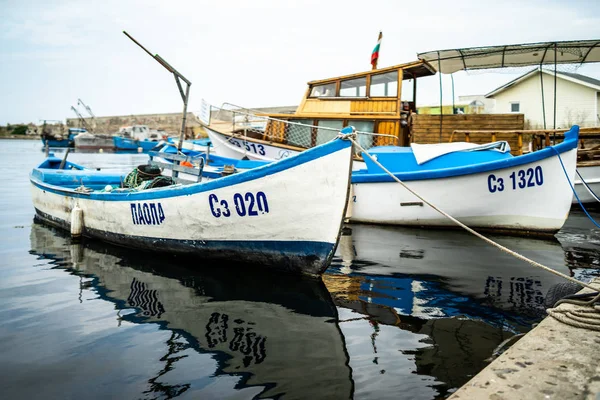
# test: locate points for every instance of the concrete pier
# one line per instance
(553, 361)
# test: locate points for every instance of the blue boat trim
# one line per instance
(291, 256)
(570, 142)
(37, 177)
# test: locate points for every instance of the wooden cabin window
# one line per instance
(327, 90)
(354, 87)
(384, 85)
(325, 135)
(300, 135)
(365, 141)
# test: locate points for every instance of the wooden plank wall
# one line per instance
(383, 107)
(426, 128)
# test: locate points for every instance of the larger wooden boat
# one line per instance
(370, 101)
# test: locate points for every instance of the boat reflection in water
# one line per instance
(278, 334)
(401, 313)
(457, 295)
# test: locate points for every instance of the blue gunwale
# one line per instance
(570, 142)
(36, 178)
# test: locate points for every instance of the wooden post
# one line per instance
(493, 136)
(467, 138)
(520, 142)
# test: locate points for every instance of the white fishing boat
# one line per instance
(481, 187)
(285, 215)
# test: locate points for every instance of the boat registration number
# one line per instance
(520, 179)
(246, 205)
(253, 147)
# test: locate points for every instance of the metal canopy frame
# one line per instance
(515, 55)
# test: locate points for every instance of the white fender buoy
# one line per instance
(140, 150)
(76, 222)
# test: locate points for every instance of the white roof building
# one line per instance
(577, 99)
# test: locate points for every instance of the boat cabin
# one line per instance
(370, 101)
(137, 132)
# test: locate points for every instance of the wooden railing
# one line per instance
(540, 137)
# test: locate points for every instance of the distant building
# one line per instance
(466, 106)
(577, 99)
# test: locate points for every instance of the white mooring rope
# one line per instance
(479, 235)
(588, 318)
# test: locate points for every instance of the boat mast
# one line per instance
(184, 97)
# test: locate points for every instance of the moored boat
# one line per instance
(485, 189)
(271, 216)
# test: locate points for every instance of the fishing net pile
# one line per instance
(147, 177)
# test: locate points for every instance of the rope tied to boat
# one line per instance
(468, 229)
(349, 133)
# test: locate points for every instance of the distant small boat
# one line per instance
(59, 140)
(285, 215)
(133, 138)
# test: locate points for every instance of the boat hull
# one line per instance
(591, 176)
(269, 216)
(121, 143)
(541, 206)
(238, 148)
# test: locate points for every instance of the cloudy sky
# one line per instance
(253, 53)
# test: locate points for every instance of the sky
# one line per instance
(251, 53)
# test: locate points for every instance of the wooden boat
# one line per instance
(370, 101)
(286, 215)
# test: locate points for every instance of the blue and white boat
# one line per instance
(482, 186)
(285, 215)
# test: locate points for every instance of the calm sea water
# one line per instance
(401, 313)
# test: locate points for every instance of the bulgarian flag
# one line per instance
(375, 54)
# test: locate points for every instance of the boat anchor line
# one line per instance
(457, 222)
